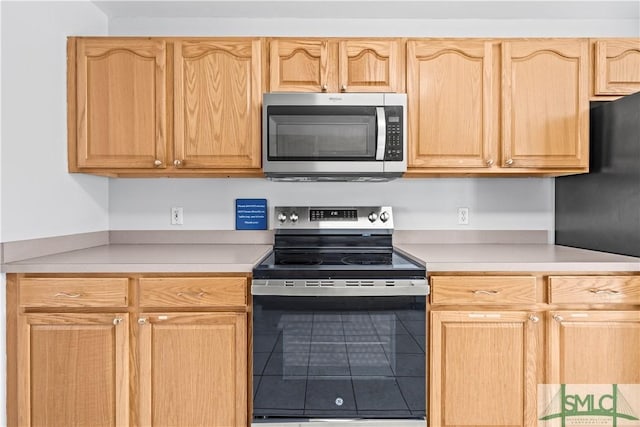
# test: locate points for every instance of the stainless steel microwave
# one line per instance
(334, 136)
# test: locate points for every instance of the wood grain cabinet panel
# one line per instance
(594, 289)
(299, 65)
(218, 94)
(73, 292)
(336, 65)
(545, 103)
(193, 292)
(616, 66)
(193, 370)
(73, 370)
(370, 65)
(120, 105)
(593, 347)
(483, 290)
(483, 368)
(451, 114)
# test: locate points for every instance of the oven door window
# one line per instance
(339, 357)
(321, 133)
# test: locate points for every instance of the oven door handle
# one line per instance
(418, 288)
(381, 142)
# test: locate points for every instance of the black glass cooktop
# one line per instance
(337, 264)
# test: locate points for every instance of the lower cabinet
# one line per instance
(127, 351)
(495, 338)
(73, 369)
(483, 368)
(594, 347)
(193, 369)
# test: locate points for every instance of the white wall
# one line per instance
(376, 27)
(38, 197)
(494, 203)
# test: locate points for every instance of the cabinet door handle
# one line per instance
(483, 292)
(558, 318)
(489, 162)
(343, 88)
(604, 291)
(509, 162)
(177, 163)
(325, 87)
(68, 294)
(534, 318)
(157, 163)
(117, 321)
(192, 294)
(142, 321)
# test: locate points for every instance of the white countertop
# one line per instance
(240, 258)
(513, 257)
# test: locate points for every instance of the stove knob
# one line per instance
(282, 218)
(293, 217)
(384, 216)
(373, 216)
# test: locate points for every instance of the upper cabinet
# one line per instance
(451, 104)
(217, 99)
(545, 103)
(336, 65)
(178, 107)
(498, 106)
(120, 102)
(616, 66)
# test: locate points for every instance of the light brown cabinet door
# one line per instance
(617, 66)
(301, 65)
(483, 368)
(545, 105)
(450, 97)
(193, 369)
(370, 65)
(73, 370)
(218, 94)
(120, 103)
(593, 347)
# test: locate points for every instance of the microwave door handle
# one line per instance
(382, 133)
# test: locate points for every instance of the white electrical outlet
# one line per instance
(463, 216)
(177, 217)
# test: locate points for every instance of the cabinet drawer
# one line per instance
(193, 291)
(483, 290)
(594, 289)
(73, 292)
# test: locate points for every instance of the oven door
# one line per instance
(337, 357)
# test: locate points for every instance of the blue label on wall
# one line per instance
(251, 214)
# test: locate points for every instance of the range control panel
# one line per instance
(376, 217)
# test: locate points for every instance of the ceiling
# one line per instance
(374, 9)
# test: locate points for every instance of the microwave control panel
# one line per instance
(395, 140)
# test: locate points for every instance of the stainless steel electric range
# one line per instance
(339, 322)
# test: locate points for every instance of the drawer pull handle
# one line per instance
(534, 318)
(192, 294)
(142, 321)
(604, 291)
(558, 318)
(68, 295)
(117, 321)
(483, 292)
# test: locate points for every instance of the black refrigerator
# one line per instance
(601, 210)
